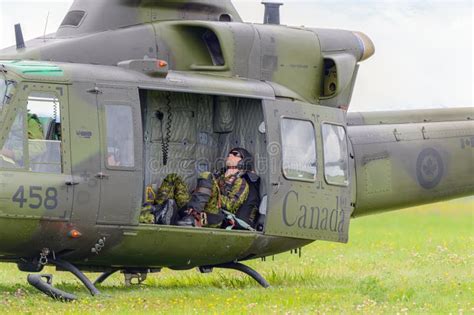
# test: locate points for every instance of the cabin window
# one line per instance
(12, 153)
(299, 149)
(44, 133)
(120, 144)
(336, 165)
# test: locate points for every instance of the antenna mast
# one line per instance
(20, 42)
(45, 27)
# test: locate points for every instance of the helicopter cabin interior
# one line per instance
(188, 134)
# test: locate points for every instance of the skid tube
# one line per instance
(47, 286)
(239, 267)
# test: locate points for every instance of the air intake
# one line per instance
(272, 12)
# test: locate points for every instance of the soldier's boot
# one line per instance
(194, 218)
(188, 220)
(167, 213)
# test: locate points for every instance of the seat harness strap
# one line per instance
(236, 221)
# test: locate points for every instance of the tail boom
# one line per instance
(429, 158)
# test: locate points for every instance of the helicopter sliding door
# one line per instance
(121, 176)
(310, 193)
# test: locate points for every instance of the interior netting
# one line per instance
(203, 130)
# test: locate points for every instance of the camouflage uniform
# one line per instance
(213, 192)
(146, 214)
(35, 132)
(173, 187)
(36, 149)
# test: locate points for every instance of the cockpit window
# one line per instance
(3, 91)
(12, 152)
(73, 18)
(44, 133)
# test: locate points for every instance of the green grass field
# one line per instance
(419, 260)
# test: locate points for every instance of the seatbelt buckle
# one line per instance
(231, 223)
(203, 219)
(200, 218)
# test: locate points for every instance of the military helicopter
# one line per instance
(128, 91)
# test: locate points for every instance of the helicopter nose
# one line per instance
(367, 46)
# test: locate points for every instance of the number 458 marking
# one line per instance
(48, 199)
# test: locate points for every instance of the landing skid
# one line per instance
(38, 281)
(239, 267)
(47, 286)
(48, 289)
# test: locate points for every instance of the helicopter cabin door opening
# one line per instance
(187, 134)
(35, 158)
(311, 188)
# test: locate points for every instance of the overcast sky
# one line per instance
(424, 49)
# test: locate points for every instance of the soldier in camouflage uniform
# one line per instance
(12, 153)
(35, 132)
(226, 190)
(173, 187)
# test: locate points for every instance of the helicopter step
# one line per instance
(48, 288)
(239, 267)
(130, 275)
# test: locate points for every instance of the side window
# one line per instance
(44, 133)
(12, 153)
(336, 166)
(299, 149)
(120, 145)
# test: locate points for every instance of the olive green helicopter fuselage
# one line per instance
(170, 87)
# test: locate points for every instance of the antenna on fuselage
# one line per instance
(20, 42)
(45, 27)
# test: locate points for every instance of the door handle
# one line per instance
(276, 187)
(101, 175)
(71, 183)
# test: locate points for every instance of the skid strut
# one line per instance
(104, 276)
(239, 267)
